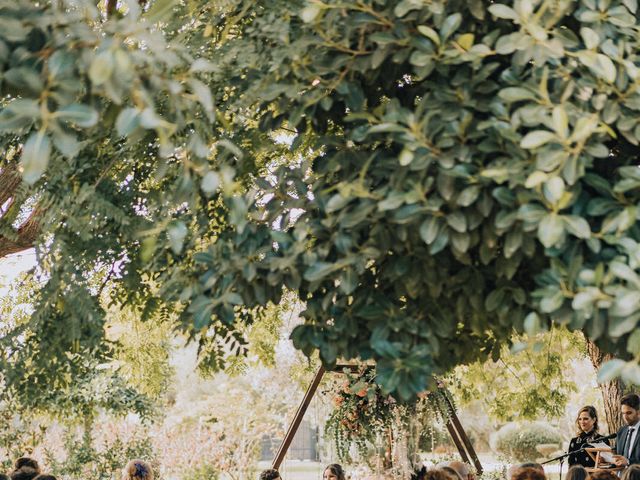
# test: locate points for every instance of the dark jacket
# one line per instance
(635, 450)
(581, 441)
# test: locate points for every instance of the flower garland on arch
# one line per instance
(376, 426)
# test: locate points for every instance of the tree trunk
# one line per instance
(26, 234)
(611, 391)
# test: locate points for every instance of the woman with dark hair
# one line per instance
(137, 470)
(26, 468)
(577, 472)
(587, 425)
(333, 472)
(44, 476)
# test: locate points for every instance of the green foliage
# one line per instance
(518, 441)
(104, 463)
(426, 177)
(20, 431)
(530, 382)
(203, 472)
(465, 171)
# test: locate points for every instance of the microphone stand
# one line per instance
(561, 458)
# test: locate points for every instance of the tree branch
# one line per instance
(26, 236)
(9, 181)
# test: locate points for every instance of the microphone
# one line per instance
(608, 437)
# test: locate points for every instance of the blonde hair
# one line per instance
(137, 470)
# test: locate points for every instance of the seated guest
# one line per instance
(461, 469)
(587, 433)
(137, 470)
(603, 475)
(433, 474)
(631, 473)
(333, 472)
(518, 466)
(43, 476)
(270, 474)
(26, 468)
(450, 471)
(529, 473)
(577, 472)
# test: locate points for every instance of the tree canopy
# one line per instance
(427, 177)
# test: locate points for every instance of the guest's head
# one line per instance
(513, 469)
(452, 473)
(603, 475)
(462, 469)
(446, 473)
(630, 406)
(270, 474)
(26, 468)
(333, 471)
(43, 476)
(587, 419)
(137, 470)
(528, 473)
(631, 473)
(419, 473)
(578, 472)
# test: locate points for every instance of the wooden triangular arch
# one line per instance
(458, 435)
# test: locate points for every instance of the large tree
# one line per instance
(426, 176)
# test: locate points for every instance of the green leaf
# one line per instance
(535, 179)
(550, 230)
(560, 121)
(177, 232)
(502, 11)
(623, 306)
(128, 120)
(589, 37)
(35, 156)
(584, 127)
(532, 324)
(577, 226)
(457, 221)
(610, 370)
(101, 67)
(82, 115)
(210, 183)
(319, 270)
(516, 94)
(633, 343)
(203, 93)
(450, 25)
(494, 299)
(531, 213)
(429, 230)
(554, 189)
(537, 138)
(430, 33)
(19, 114)
(348, 281)
(66, 144)
(310, 12)
(468, 196)
(160, 10)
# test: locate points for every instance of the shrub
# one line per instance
(518, 441)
